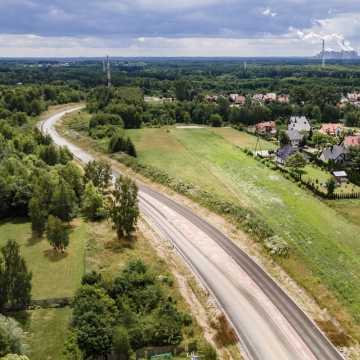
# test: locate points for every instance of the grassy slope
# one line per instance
(53, 276)
(322, 238)
(350, 209)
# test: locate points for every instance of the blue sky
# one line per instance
(176, 28)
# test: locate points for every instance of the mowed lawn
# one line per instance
(47, 331)
(319, 235)
(54, 275)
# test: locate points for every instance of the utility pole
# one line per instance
(108, 72)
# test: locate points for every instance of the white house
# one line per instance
(295, 137)
(300, 124)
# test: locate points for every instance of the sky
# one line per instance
(63, 28)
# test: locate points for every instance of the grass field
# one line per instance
(323, 239)
(350, 209)
(47, 330)
(243, 139)
(54, 275)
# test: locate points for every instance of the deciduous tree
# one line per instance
(14, 277)
(124, 209)
(57, 234)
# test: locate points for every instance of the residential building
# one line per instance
(211, 98)
(332, 129)
(269, 97)
(283, 99)
(352, 141)
(353, 97)
(284, 153)
(300, 124)
(266, 128)
(295, 137)
(335, 153)
(237, 99)
(258, 97)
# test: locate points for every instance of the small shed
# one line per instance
(340, 176)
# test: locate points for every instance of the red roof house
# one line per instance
(352, 141)
(268, 127)
(332, 129)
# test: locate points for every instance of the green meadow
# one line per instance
(321, 237)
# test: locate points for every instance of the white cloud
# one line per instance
(269, 12)
(32, 45)
(337, 31)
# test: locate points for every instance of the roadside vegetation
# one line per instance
(46, 208)
(227, 179)
(66, 222)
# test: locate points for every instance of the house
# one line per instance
(295, 137)
(237, 99)
(211, 98)
(269, 97)
(353, 97)
(284, 153)
(332, 129)
(352, 141)
(258, 97)
(266, 128)
(240, 100)
(335, 153)
(340, 176)
(299, 123)
(283, 99)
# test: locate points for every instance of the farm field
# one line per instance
(320, 236)
(54, 276)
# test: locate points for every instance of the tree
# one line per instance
(12, 337)
(99, 172)
(117, 143)
(40, 202)
(316, 113)
(130, 148)
(49, 154)
(74, 177)
(94, 315)
(92, 203)
(121, 343)
(38, 215)
(57, 234)
(216, 120)
(296, 163)
(330, 186)
(124, 209)
(63, 201)
(14, 277)
(283, 138)
(183, 90)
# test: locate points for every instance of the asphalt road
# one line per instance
(268, 322)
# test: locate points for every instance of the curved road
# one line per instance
(269, 324)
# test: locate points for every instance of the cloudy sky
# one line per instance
(176, 27)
